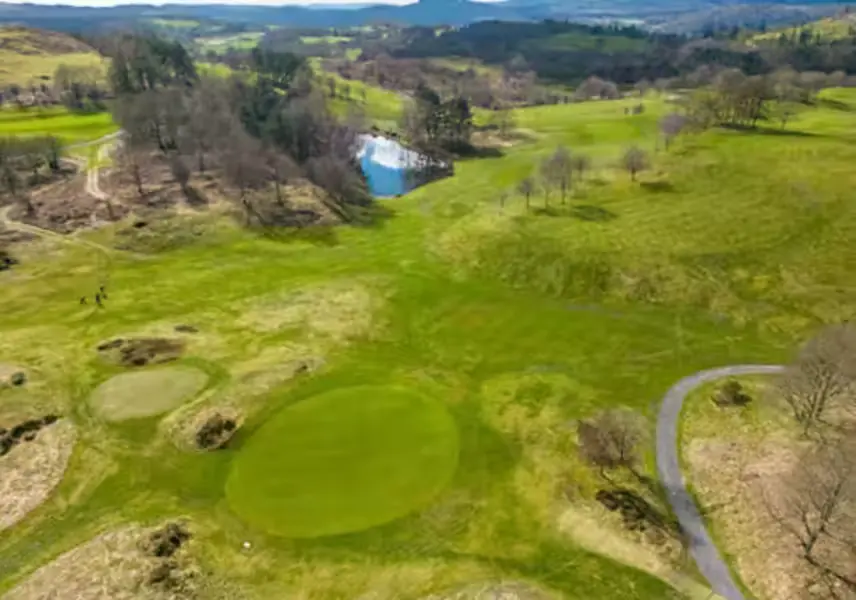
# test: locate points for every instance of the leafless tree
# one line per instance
(634, 160)
(821, 383)
(181, 172)
(242, 165)
(525, 188)
(561, 168)
(613, 439)
(547, 180)
(816, 504)
(671, 126)
(580, 163)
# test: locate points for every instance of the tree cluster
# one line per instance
(23, 165)
(816, 502)
(258, 130)
(437, 127)
(570, 53)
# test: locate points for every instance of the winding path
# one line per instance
(702, 548)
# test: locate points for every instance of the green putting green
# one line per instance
(146, 393)
(344, 461)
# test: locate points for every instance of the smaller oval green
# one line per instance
(344, 461)
(146, 393)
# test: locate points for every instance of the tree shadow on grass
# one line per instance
(318, 235)
(836, 105)
(592, 213)
(771, 131)
(658, 187)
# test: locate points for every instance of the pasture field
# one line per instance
(483, 331)
(239, 41)
(31, 56)
(68, 127)
(830, 28)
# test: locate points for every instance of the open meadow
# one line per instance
(406, 392)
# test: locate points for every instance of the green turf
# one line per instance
(146, 393)
(732, 248)
(344, 461)
(69, 127)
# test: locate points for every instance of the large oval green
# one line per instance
(344, 461)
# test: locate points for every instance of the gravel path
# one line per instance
(702, 548)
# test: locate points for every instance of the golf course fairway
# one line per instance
(344, 461)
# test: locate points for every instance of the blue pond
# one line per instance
(386, 165)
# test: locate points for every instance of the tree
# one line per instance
(671, 126)
(525, 188)
(561, 169)
(816, 504)
(613, 439)
(821, 383)
(580, 163)
(635, 160)
(547, 179)
(181, 172)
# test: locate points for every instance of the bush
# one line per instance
(731, 394)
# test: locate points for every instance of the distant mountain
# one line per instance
(672, 15)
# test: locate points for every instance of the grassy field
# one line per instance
(70, 128)
(730, 249)
(239, 41)
(32, 56)
(830, 28)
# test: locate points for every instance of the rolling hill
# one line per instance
(31, 56)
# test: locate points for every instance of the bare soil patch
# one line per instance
(32, 468)
(126, 564)
(730, 479)
(140, 352)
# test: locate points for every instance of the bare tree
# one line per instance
(821, 382)
(613, 439)
(561, 168)
(634, 160)
(547, 179)
(525, 188)
(671, 126)
(580, 163)
(817, 505)
(181, 172)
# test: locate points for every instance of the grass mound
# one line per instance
(344, 461)
(147, 393)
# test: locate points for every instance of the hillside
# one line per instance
(31, 56)
(838, 27)
(667, 15)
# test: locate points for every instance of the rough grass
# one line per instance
(68, 127)
(30, 472)
(734, 458)
(32, 55)
(147, 393)
(344, 461)
(733, 248)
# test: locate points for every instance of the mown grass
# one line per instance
(239, 41)
(345, 461)
(68, 127)
(734, 246)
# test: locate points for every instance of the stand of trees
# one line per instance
(571, 52)
(816, 502)
(26, 163)
(258, 130)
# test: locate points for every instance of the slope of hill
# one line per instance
(669, 15)
(30, 56)
(830, 28)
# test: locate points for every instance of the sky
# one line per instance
(101, 3)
